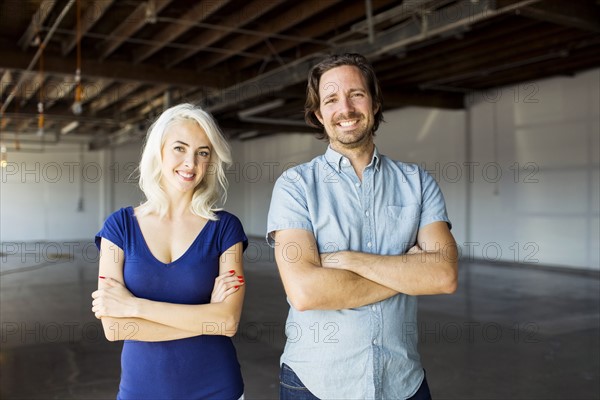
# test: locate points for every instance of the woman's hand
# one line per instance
(114, 300)
(225, 285)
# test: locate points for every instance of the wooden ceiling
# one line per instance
(247, 61)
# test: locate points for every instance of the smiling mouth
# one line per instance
(347, 124)
(186, 176)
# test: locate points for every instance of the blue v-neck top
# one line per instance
(201, 367)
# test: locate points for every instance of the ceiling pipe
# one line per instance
(37, 55)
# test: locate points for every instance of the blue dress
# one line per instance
(200, 367)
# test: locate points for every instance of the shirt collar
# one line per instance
(336, 159)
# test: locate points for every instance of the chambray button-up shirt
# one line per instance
(368, 352)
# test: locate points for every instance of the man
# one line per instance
(356, 236)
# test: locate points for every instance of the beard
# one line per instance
(356, 137)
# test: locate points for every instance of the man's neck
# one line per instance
(359, 157)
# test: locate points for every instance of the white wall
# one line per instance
(258, 163)
(54, 195)
(64, 193)
(544, 137)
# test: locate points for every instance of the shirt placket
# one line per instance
(367, 200)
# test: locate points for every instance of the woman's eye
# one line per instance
(203, 153)
(178, 148)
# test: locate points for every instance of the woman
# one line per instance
(171, 282)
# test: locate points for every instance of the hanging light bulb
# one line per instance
(76, 107)
(40, 131)
(3, 157)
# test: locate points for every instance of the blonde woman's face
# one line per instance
(185, 156)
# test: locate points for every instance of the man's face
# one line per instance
(346, 107)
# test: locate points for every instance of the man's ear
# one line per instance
(319, 116)
(376, 108)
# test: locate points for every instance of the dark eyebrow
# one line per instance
(330, 95)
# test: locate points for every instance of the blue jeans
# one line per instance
(292, 388)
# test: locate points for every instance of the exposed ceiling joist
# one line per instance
(116, 93)
(286, 20)
(140, 17)
(37, 21)
(94, 11)
(117, 70)
(574, 14)
(199, 12)
(247, 14)
(352, 11)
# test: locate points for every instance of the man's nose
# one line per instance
(346, 104)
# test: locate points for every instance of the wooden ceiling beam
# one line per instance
(144, 97)
(5, 81)
(245, 15)
(425, 53)
(130, 25)
(289, 18)
(325, 23)
(93, 12)
(56, 90)
(117, 93)
(198, 13)
(37, 21)
(480, 57)
(584, 15)
(117, 70)
(579, 60)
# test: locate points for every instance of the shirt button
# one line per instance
(367, 213)
(357, 184)
(374, 341)
(373, 308)
(369, 244)
(345, 161)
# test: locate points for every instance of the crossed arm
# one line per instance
(351, 279)
(125, 316)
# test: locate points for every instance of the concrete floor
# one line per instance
(508, 333)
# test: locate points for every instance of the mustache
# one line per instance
(350, 115)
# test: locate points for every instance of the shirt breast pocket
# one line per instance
(402, 225)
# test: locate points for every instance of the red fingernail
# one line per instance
(241, 277)
(235, 287)
(232, 271)
(101, 277)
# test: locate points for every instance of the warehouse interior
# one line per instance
(499, 100)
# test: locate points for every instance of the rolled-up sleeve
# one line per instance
(289, 209)
(433, 206)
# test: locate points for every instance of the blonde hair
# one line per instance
(214, 184)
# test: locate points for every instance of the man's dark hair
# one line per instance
(333, 61)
